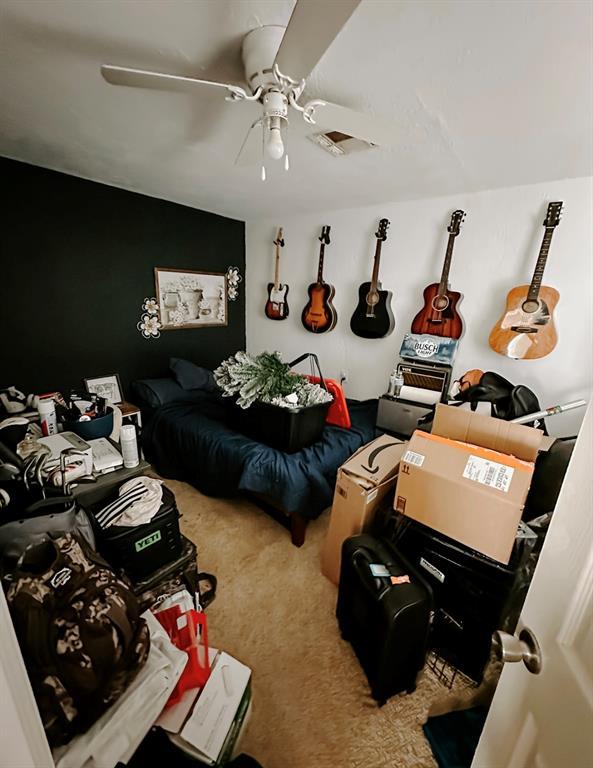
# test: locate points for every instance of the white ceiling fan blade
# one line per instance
(333, 117)
(312, 28)
(251, 148)
(143, 78)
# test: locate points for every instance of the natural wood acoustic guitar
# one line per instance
(277, 304)
(319, 314)
(526, 331)
(439, 315)
(373, 318)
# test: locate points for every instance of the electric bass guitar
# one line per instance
(277, 305)
(439, 315)
(319, 315)
(526, 330)
(373, 318)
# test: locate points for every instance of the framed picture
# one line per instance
(191, 299)
(108, 387)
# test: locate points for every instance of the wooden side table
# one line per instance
(132, 412)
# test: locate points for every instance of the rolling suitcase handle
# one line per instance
(372, 584)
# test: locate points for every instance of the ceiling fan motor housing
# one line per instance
(259, 50)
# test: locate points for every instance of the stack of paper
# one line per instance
(210, 730)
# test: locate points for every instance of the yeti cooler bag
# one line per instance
(139, 550)
(384, 608)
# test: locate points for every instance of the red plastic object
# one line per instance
(187, 631)
(338, 414)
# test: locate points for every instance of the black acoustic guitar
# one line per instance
(319, 314)
(373, 318)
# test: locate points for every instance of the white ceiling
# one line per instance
(482, 95)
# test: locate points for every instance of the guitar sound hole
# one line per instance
(529, 306)
(439, 303)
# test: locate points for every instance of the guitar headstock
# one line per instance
(279, 241)
(553, 215)
(457, 218)
(324, 237)
(381, 233)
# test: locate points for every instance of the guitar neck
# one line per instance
(444, 283)
(277, 269)
(321, 257)
(375, 276)
(538, 273)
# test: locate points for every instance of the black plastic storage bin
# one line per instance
(181, 573)
(287, 429)
(471, 592)
(141, 549)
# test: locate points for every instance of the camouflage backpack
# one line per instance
(80, 633)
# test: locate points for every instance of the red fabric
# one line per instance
(337, 414)
(191, 637)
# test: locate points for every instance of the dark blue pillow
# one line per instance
(191, 376)
(151, 393)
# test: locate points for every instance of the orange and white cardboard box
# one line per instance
(363, 482)
(469, 478)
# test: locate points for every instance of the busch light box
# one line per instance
(431, 349)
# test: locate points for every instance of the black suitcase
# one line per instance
(141, 549)
(386, 623)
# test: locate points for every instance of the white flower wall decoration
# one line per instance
(149, 325)
(233, 279)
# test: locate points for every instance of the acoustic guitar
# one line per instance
(319, 314)
(439, 315)
(373, 318)
(277, 304)
(526, 330)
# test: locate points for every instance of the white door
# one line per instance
(546, 720)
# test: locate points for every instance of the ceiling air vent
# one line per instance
(338, 144)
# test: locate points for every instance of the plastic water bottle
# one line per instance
(47, 416)
(129, 446)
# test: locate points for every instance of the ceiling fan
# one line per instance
(277, 60)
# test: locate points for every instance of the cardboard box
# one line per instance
(469, 478)
(362, 483)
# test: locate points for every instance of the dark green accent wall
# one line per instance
(77, 260)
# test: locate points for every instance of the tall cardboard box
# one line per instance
(362, 483)
(469, 478)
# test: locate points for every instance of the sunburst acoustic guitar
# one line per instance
(439, 315)
(526, 331)
(277, 303)
(319, 314)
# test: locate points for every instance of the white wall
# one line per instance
(497, 249)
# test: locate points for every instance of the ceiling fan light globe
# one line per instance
(274, 144)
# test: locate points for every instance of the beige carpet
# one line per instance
(275, 612)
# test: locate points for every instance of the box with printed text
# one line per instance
(469, 478)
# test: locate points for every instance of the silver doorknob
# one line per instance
(525, 648)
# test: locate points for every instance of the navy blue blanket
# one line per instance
(195, 442)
